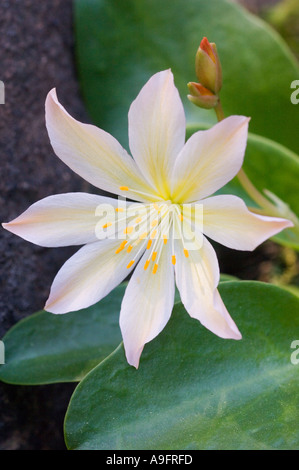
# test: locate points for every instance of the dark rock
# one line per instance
(36, 55)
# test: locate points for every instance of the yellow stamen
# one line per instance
(154, 223)
(173, 259)
(124, 188)
(165, 239)
(146, 264)
(143, 236)
(129, 230)
(131, 263)
(119, 209)
(186, 253)
(139, 219)
(154, 255)
(149, 243)
(153, 234)
(129, 249)
(107, 225)
(156, 206)
(121, 247)
(155, 268)
(181, 217)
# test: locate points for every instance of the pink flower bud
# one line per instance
(201, 96)
(208, 67)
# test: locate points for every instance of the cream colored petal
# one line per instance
(66, 219)
(196, 278)
(209, 160)
(90, 275)
(93, 153)
(147, 304)
(157, 129)
(227, 220)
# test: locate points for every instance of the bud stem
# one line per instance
(219, 111)
(254, 193)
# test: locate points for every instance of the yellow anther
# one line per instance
(149, 243)
(124, 188)
(181, 217)
(156, 206)
(107, 225)
(153, 234)
(129, 230)
(121, 247)
(119, 209)
(129, 249)
(154, 223)
(131, 263)
(154, 255)
(146, 264)
(173, 259)
(138, 220)
(155, 268)
(165, 239)
(186, 253)
(143, 236)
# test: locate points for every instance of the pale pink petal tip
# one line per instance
(133, 357)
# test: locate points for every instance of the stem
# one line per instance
(219, 111)
(254, 193)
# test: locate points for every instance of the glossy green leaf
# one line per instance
(227, 277)
(194, 390)
(47, 348)
(293, 289)
(119, 45)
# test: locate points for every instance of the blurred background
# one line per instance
(37, 53)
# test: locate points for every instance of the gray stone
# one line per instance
(37, 54)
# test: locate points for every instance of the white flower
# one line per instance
(165, 175)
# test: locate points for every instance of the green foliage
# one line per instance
(47, 348)
(120, 45)
(194, 390)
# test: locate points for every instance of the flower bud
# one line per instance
(208, 67)
(201, 96)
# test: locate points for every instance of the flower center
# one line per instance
(149, 227)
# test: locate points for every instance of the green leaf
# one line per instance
(194, 390)
(119, 45)
(291, 288)
(227, 277)
(47, 348)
